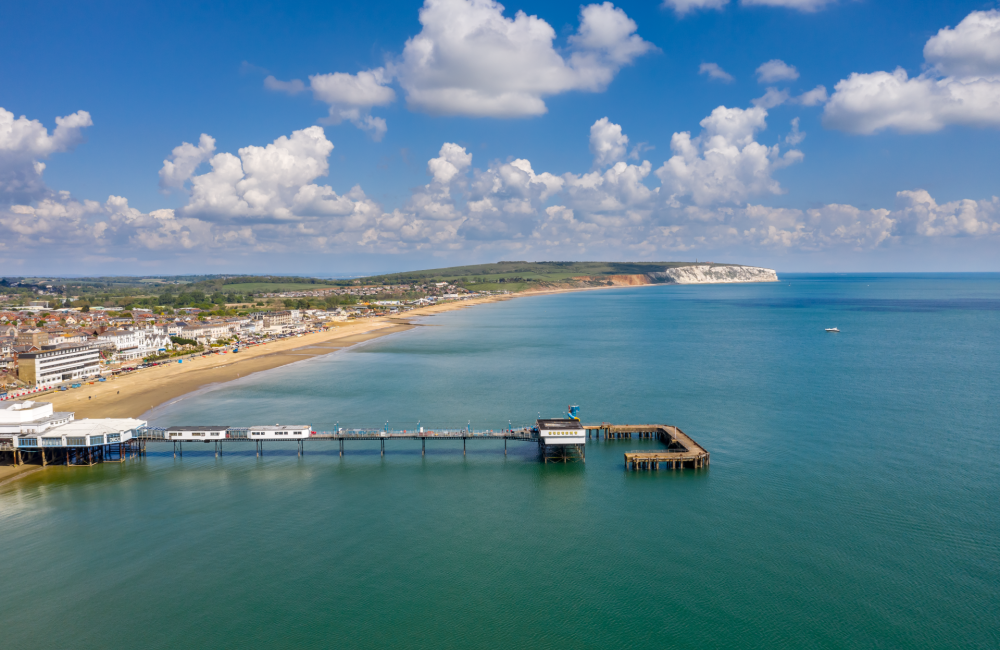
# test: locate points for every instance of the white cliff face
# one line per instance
(704, 274)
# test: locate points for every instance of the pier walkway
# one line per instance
(679, 452)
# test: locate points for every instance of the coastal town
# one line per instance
(58, 334)
(53, 341)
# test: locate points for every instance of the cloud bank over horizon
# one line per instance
(719, 182)
(266, 199)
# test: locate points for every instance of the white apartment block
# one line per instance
(135, 343)
(56, 364)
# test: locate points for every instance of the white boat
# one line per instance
(832, 329)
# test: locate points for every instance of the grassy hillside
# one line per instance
(516, 276)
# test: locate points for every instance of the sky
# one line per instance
(364, 137)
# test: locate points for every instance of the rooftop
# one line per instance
(560, 424)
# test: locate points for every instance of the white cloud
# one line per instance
(919, 213)
(451, 161)
(715, 72)
(266, 199)
(184, 160)
(607, 142)
(724, 164)
(683, 7)
(971, 49)
(469, 59)
(813, 97)
(868, 103)
(351, 97)
(25, 143)
(293, 87)
(796, 136)
(273, 183)
(776, 70)
(801, 5)
(773, 97)
(962, 86)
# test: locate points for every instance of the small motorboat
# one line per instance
(832, 329)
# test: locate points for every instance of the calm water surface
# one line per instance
(852, 499)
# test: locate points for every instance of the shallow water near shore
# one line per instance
(851, 499)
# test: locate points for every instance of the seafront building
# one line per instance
(54, 364)
(33, 428)
(135, 343)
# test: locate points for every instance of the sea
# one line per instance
(852, 501)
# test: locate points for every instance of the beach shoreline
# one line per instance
(143, 391)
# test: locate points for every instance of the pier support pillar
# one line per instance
(423, 446)
(504, 446)
(463, 445)
(44, 463)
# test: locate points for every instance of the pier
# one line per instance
(681, 451)
(33, 432)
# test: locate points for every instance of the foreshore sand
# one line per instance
(131, 395)
(136, 393)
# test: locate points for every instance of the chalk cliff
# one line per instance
(705, 274)
(694, 274)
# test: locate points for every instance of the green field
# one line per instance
(516, 276)
(272, 287)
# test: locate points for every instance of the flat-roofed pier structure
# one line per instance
(82, 442)
(681, 452)
(559, 438)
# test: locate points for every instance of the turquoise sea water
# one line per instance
(852, 500)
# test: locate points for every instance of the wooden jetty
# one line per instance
(681, 452)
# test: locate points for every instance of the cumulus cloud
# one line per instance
(607, 142)
(776, 70)
(273, 183)
(184, 160)
(715, 72)
(795, 136)
(971, 49)
(25, 143)
(801, 5)
(350, 96)
(267, 199)
(773, 97)
(961, 86)
(451, 161)
(683, 7)
(293, 87)
(469, 59)
(813, 97)
(724, 164)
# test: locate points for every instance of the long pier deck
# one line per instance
(679, 452)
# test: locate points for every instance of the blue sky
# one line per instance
(461, 132)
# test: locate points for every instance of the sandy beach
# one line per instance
(138, 392)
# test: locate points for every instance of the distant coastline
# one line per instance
(137, 393)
